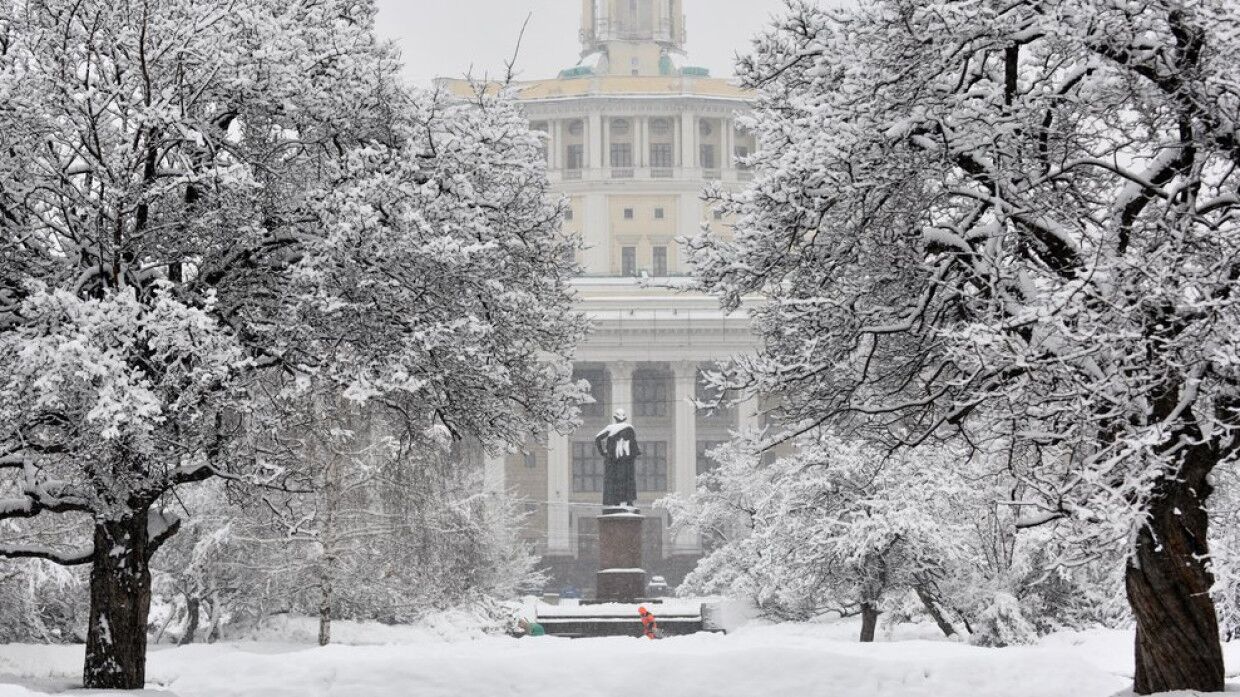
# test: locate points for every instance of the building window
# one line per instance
(652, 537)
(628, 261)
(628, 213)
(652, 467)
(650, 394)
(708, 157)
(587, 537)
(621, 155)
(706, 463)
(658, 214)
(568, 213)
(619, 127)
(531, 460)
(576, 157)
(660, 262)
(660, 127)
(661, 155)
(718, 215)
(587, 468)
(576, 128)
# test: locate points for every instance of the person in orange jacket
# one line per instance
(649, 626)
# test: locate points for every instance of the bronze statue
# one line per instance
(618, 445)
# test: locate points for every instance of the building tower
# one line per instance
(632, 37)
(631, 141)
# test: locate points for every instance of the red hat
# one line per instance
(641, 610)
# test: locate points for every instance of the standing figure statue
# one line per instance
(618, 445)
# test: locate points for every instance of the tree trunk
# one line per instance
(1177, 645)
(869, 621)
(325, 612)
(935, 611)
(191, 622)
(120, 599)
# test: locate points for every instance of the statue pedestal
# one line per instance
(621, 577)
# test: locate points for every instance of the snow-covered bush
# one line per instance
(1002, 623)
(41, 602)
(834, 527)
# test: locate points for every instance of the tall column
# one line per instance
(643, 141)
(748, 413)
(622, 386)
(594, 137)
(557, 144)
(559, 483)
(727, 144)
(688, 140)
(685, 540)
(685, 471)
(493, 472)
(605, 163)
(597, 233)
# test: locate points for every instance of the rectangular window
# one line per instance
(708, 157)
(628, 261)
(652, 537)
(621, 155)
(587, 537)
(652, 467)
(660, 262)
(706, 463)
(628, 213)
(531, 460)
(576, 157)
(568, 214)
(659, 213)
(661, 155)
(587, 468)
(650, 395)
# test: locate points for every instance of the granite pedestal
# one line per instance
(621, 577)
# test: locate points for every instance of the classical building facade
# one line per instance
(632, 139)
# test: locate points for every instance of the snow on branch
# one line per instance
(77, 557)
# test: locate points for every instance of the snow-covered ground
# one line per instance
(757, 660)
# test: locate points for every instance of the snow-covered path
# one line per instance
(766, 661)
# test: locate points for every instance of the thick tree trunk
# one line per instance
(869, 621)
(191, 622)
(936, 613)
(1177, 645)
(120, 599)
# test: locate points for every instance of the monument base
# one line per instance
(621, 577)
(621, 585)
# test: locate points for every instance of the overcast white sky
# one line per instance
(443, 38)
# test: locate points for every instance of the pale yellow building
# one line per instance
(632, 139)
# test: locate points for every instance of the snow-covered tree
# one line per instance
(375, 522)
(195, 193)
(835, 527)
(1013, 223)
